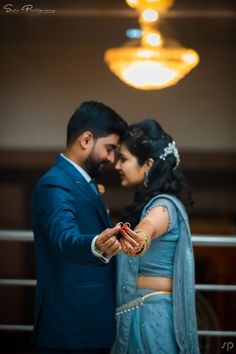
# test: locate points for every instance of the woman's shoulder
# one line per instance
(171, 203)
(160, 199)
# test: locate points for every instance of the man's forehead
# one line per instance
(111, 139)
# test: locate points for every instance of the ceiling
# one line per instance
(181, 8)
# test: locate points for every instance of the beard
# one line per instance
(94, 166)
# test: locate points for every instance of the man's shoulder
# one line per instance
(54, 176)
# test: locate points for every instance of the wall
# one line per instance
(49, 64)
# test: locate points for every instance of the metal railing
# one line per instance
(198, 240)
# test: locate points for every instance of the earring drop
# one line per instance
(145, 181)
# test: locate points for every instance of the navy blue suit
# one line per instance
(75, 293)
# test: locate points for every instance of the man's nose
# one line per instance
(111, 157)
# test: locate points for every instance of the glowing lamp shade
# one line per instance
(152, 68)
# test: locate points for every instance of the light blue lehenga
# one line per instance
(160, 323)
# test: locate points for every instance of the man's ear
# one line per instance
(86, 139)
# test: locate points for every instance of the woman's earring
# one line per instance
(145, 181)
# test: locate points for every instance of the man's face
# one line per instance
(102, 154)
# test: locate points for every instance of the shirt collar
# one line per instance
(78, 168)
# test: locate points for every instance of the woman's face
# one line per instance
(131, 173)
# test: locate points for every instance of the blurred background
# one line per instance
(50, 62)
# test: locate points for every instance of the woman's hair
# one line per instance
(148, 140)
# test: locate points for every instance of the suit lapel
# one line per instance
(84, 186)
(97, 201)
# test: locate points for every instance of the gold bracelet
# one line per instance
(144, 235)
(147, 241)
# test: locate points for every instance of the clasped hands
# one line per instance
(129, 241)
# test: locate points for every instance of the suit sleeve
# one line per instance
(55, 215)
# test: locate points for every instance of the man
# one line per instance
(74, 241)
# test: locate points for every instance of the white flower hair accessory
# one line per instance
(171, 149)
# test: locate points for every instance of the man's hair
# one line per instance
(96, 117)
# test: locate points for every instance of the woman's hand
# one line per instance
(131, 243)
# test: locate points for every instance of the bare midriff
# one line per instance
(154, 283)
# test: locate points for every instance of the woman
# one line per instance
(155, 285)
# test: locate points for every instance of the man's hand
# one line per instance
(107, 242)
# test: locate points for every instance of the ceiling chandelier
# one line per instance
(150, 62)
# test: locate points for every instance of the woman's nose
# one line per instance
(117, 165)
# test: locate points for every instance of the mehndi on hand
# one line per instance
(134, 243)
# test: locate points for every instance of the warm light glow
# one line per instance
(159, 5)
(153, 39)
(132, 3)
(144, 53)
(150, 69)
(188, 58)
(151, 62)
(144, 73)
(149, 15)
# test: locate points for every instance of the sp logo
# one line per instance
(228, 346)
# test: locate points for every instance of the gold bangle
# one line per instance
(147, 241)
(141, 252)
(144, 235)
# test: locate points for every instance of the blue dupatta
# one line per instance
(184, 307)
